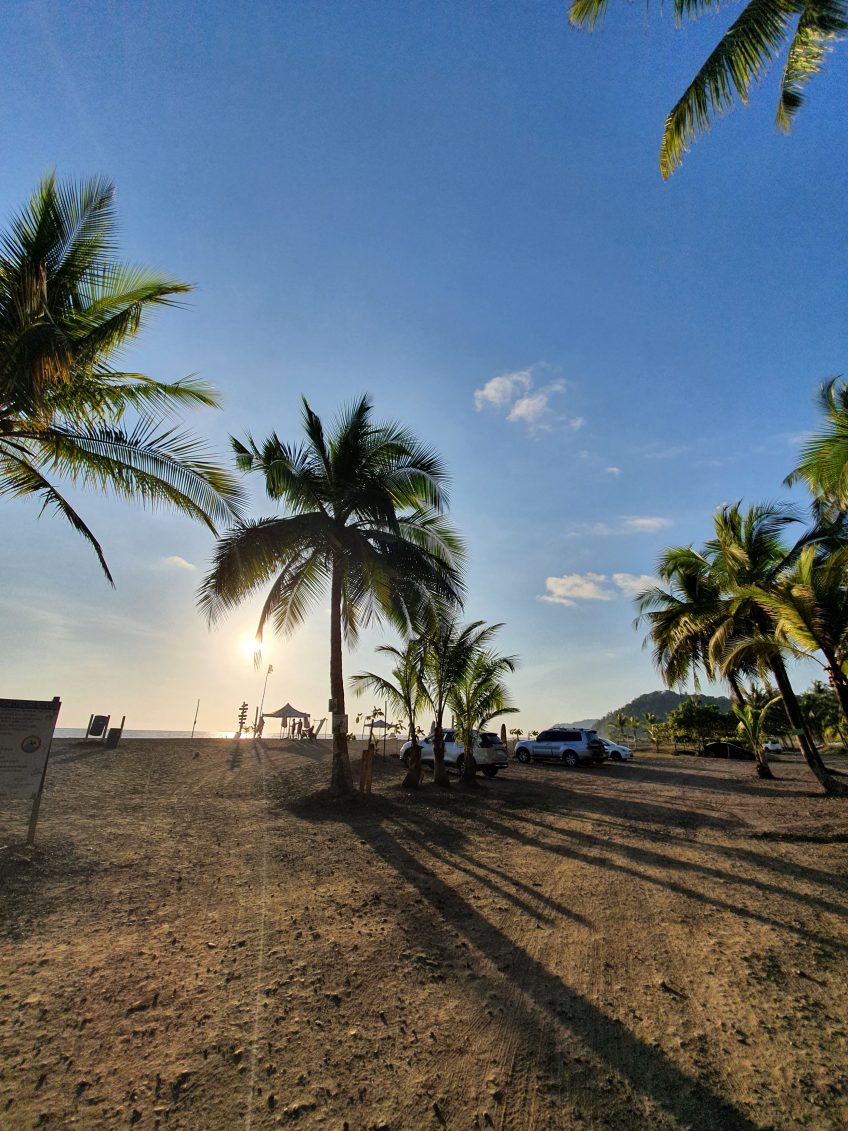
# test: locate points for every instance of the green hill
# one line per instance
(658, 703)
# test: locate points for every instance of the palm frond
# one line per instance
(743, 55)
(19, 477)
(822, 24)
(251, 553)
(155, 467)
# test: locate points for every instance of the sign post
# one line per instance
(26, 732)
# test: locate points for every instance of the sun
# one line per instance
(248, 647)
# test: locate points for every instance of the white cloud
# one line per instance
(529, 410)
(516, 395)
(632, 584)
(624, 524)
(613, 470)
(644, 524)
(573, 587)
(179, 563)
(500, 391)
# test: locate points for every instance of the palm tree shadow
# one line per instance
(541, 999)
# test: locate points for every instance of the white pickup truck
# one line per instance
(571, 747)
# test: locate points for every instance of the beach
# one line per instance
(202, 939)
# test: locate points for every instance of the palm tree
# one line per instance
(728, 631)
(365, 514)
(478, 697)
(67, 308)
(751, 715)
(652, 724)
(806, 29)
(823, 465)
(809, 608)
(449, 650)
(621, 721)
(404, 692)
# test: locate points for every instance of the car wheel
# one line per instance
(460, 762)
(522, 755)
(570, 758)
(616, 755)
(490, 771)
(407, 759)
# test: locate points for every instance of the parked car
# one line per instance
(489, 752)
(616, 752)
(571, 747)
(727, 750)
(772, 746)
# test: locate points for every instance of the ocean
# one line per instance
(79, 732)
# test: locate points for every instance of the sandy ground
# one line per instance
(200, 940)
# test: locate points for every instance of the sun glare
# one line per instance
(248, 647)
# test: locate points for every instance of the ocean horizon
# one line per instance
(79, 732)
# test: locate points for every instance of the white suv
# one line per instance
(489, 752)
(616, 752)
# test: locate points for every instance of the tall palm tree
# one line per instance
(405, 693)
(449, 650)
(806, 30)
(730, 633)
(809, 608)
(364, 515)
(823, 465)
(68, 306)
(478, 697)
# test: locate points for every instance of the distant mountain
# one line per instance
(659, 703)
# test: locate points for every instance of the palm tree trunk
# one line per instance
(469, 766)
(413, 773)
(440, 773)
(341, 781)
(830, 784)
(837, 681)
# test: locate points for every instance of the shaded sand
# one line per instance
(200, 942)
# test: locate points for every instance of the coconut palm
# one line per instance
(730, 633)
(405, 693)
(67, 308)
(364, 515)
(751, 715)
(478, 697)
(823, 465)
(805, 29)
(449, 650)
(621, 721)
(809, 608)
(652, 724)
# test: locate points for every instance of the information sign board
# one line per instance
(26, 731)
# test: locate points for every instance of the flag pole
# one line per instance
(196, 712)
(265, 688)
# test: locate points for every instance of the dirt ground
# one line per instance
(201, 940)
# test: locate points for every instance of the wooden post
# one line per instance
(36, 804)
(363, 768)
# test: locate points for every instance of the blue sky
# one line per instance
(457, 209)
